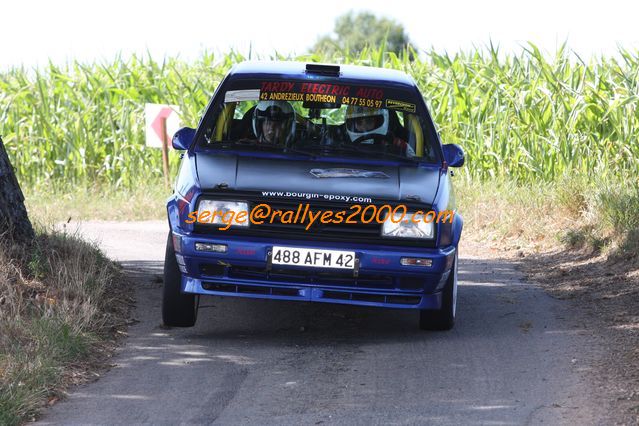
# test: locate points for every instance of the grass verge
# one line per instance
(145, 201)
(63, 303)
(597, 216)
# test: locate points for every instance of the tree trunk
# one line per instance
(14, 222)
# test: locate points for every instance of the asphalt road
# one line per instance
(516, 356)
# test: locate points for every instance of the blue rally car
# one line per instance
(315, 183)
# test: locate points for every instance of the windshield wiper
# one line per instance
(253, 145)
(310, 150)
(388, 154)
(244, 144)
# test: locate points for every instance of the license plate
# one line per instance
(314, 258)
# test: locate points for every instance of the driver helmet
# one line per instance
(281, 114)
(362, 121)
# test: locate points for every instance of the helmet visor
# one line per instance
(365, 124)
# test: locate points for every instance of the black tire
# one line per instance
(444, 318)
(178, 309)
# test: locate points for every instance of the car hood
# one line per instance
(290, 176)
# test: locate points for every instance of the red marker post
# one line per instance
(162, 121)
(165, 153)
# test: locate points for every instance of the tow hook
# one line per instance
(269, 260)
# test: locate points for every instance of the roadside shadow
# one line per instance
(142, 271)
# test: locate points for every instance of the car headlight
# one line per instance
(412, 226)
(224, 213)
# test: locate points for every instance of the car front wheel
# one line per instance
(178, 309)
(444, 318)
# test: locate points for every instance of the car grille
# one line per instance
(302, 276)
(359, 232)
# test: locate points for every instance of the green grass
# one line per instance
(609, 219)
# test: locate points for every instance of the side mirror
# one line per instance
(183, 138)
(453, 154)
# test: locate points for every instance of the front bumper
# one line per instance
(244, 271)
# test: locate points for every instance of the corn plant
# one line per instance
(521, 116)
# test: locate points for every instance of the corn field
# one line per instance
(520, 116)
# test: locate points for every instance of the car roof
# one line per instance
(297, 70)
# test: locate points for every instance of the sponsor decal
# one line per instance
(315, 196)
(400, 105)
(242, 95)
(322, 93)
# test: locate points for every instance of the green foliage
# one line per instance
(36, 266)
(354, 33)
(518, 116)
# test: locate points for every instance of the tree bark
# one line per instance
(14, 222)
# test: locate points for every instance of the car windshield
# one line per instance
(319, 120)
